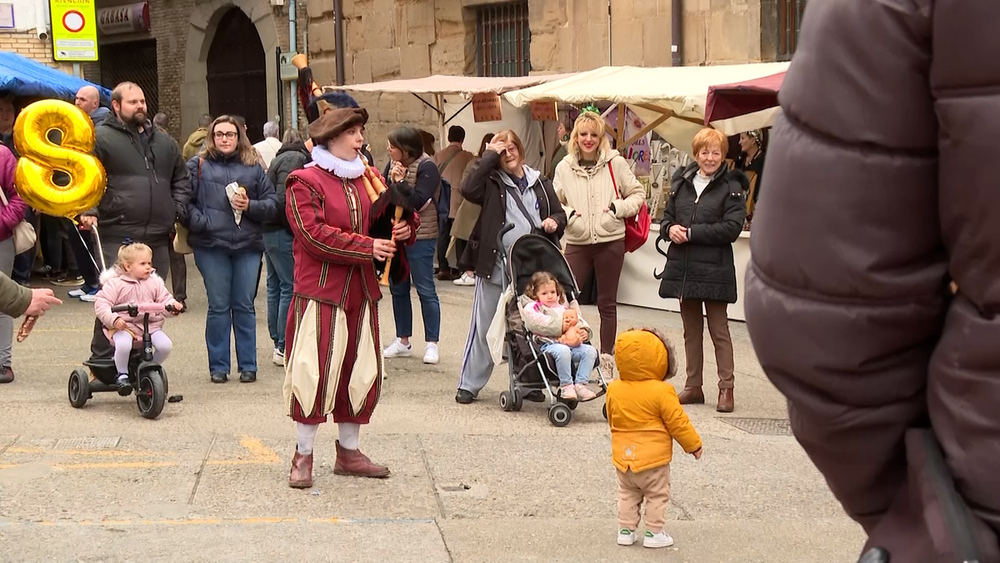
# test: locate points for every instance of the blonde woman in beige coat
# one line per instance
(598, 191)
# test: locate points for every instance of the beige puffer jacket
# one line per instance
(584, 196)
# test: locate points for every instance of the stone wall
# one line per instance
(27, 44)
(722, 31)
(183, 32)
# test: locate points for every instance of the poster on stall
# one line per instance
(639, 151)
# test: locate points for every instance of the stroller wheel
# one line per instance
(560, 415)
(518, 403)
(506, 401)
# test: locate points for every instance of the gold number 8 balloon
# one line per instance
(41, 159)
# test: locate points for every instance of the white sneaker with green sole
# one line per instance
(659, 539)
(626, 536)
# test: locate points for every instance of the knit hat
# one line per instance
(642, 355)
(335, 122)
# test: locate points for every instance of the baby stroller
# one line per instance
(532, 372)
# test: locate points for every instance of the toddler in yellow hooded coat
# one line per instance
(645, 417)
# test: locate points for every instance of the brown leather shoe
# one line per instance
(357, 464)
(692, 396)
(725, 400)
(301, 476)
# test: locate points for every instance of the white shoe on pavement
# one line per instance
(398, 350)
(659, 539)
(626, 536)
(278, 357)
(431, 355)
(465, 279)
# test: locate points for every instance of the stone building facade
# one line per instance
(184, 50)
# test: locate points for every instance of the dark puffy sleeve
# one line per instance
(844, 290)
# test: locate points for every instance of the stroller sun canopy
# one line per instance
(534, 253)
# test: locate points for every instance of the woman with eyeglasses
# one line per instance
(232, 199)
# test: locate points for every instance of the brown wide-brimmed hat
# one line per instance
(335, 122)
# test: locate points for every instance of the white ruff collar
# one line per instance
(349, 169)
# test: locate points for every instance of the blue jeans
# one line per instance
(584, 355)
(421, 259)
(230, 283)
(280, 282)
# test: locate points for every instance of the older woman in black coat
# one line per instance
(703, 219)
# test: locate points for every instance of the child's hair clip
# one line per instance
(591, 108)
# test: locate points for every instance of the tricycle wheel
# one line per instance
(560, 415)
(79, 388)
(166, 384)
(150, 394)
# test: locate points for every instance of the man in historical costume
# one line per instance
(333, 358)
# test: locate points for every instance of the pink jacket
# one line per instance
(118, 288)
(13, 212)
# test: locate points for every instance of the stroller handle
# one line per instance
(504, 230)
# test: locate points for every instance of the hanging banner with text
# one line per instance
(486, 107)
(74, 30)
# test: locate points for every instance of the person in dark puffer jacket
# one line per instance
(880, 192)
(278, 238)
(703, 219)
(227, 252)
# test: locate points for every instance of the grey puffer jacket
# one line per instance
(880, 189)
(213, 224)
(148, 186)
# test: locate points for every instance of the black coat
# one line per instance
(484, 187)
(148, 187)
(703, 268)
(212, 222)
(290, 158)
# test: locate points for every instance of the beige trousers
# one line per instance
(654, 486)
(694, 348)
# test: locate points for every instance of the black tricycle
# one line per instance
(148, 379)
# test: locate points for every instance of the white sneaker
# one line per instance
(607, 365)
(278, 357)
(626, 536)
(465, 279)
(659, 539)
(431, 355)
(398, 350)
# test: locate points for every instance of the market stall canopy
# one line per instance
(743, 106)
(671, 100)
(445, 84)
(22, 77)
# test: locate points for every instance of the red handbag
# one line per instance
(636, 226)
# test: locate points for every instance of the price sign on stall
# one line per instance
(74, 30)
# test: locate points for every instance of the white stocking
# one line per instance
(349, 433)
(307, 437)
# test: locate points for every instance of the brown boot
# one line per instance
(301, 475)
(725, 400)
(357, 464)
(692, 396)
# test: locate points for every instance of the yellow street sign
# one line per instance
(74, 30)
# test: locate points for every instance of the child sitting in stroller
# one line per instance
(563, 334)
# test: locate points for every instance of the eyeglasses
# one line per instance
(225, 134)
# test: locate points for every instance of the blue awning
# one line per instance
(23, 77)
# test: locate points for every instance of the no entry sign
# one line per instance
(74, 30)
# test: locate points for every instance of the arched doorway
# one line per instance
(237, 77)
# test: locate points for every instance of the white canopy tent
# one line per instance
(449, 96)
(671, 100)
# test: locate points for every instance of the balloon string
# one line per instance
(100, 251)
